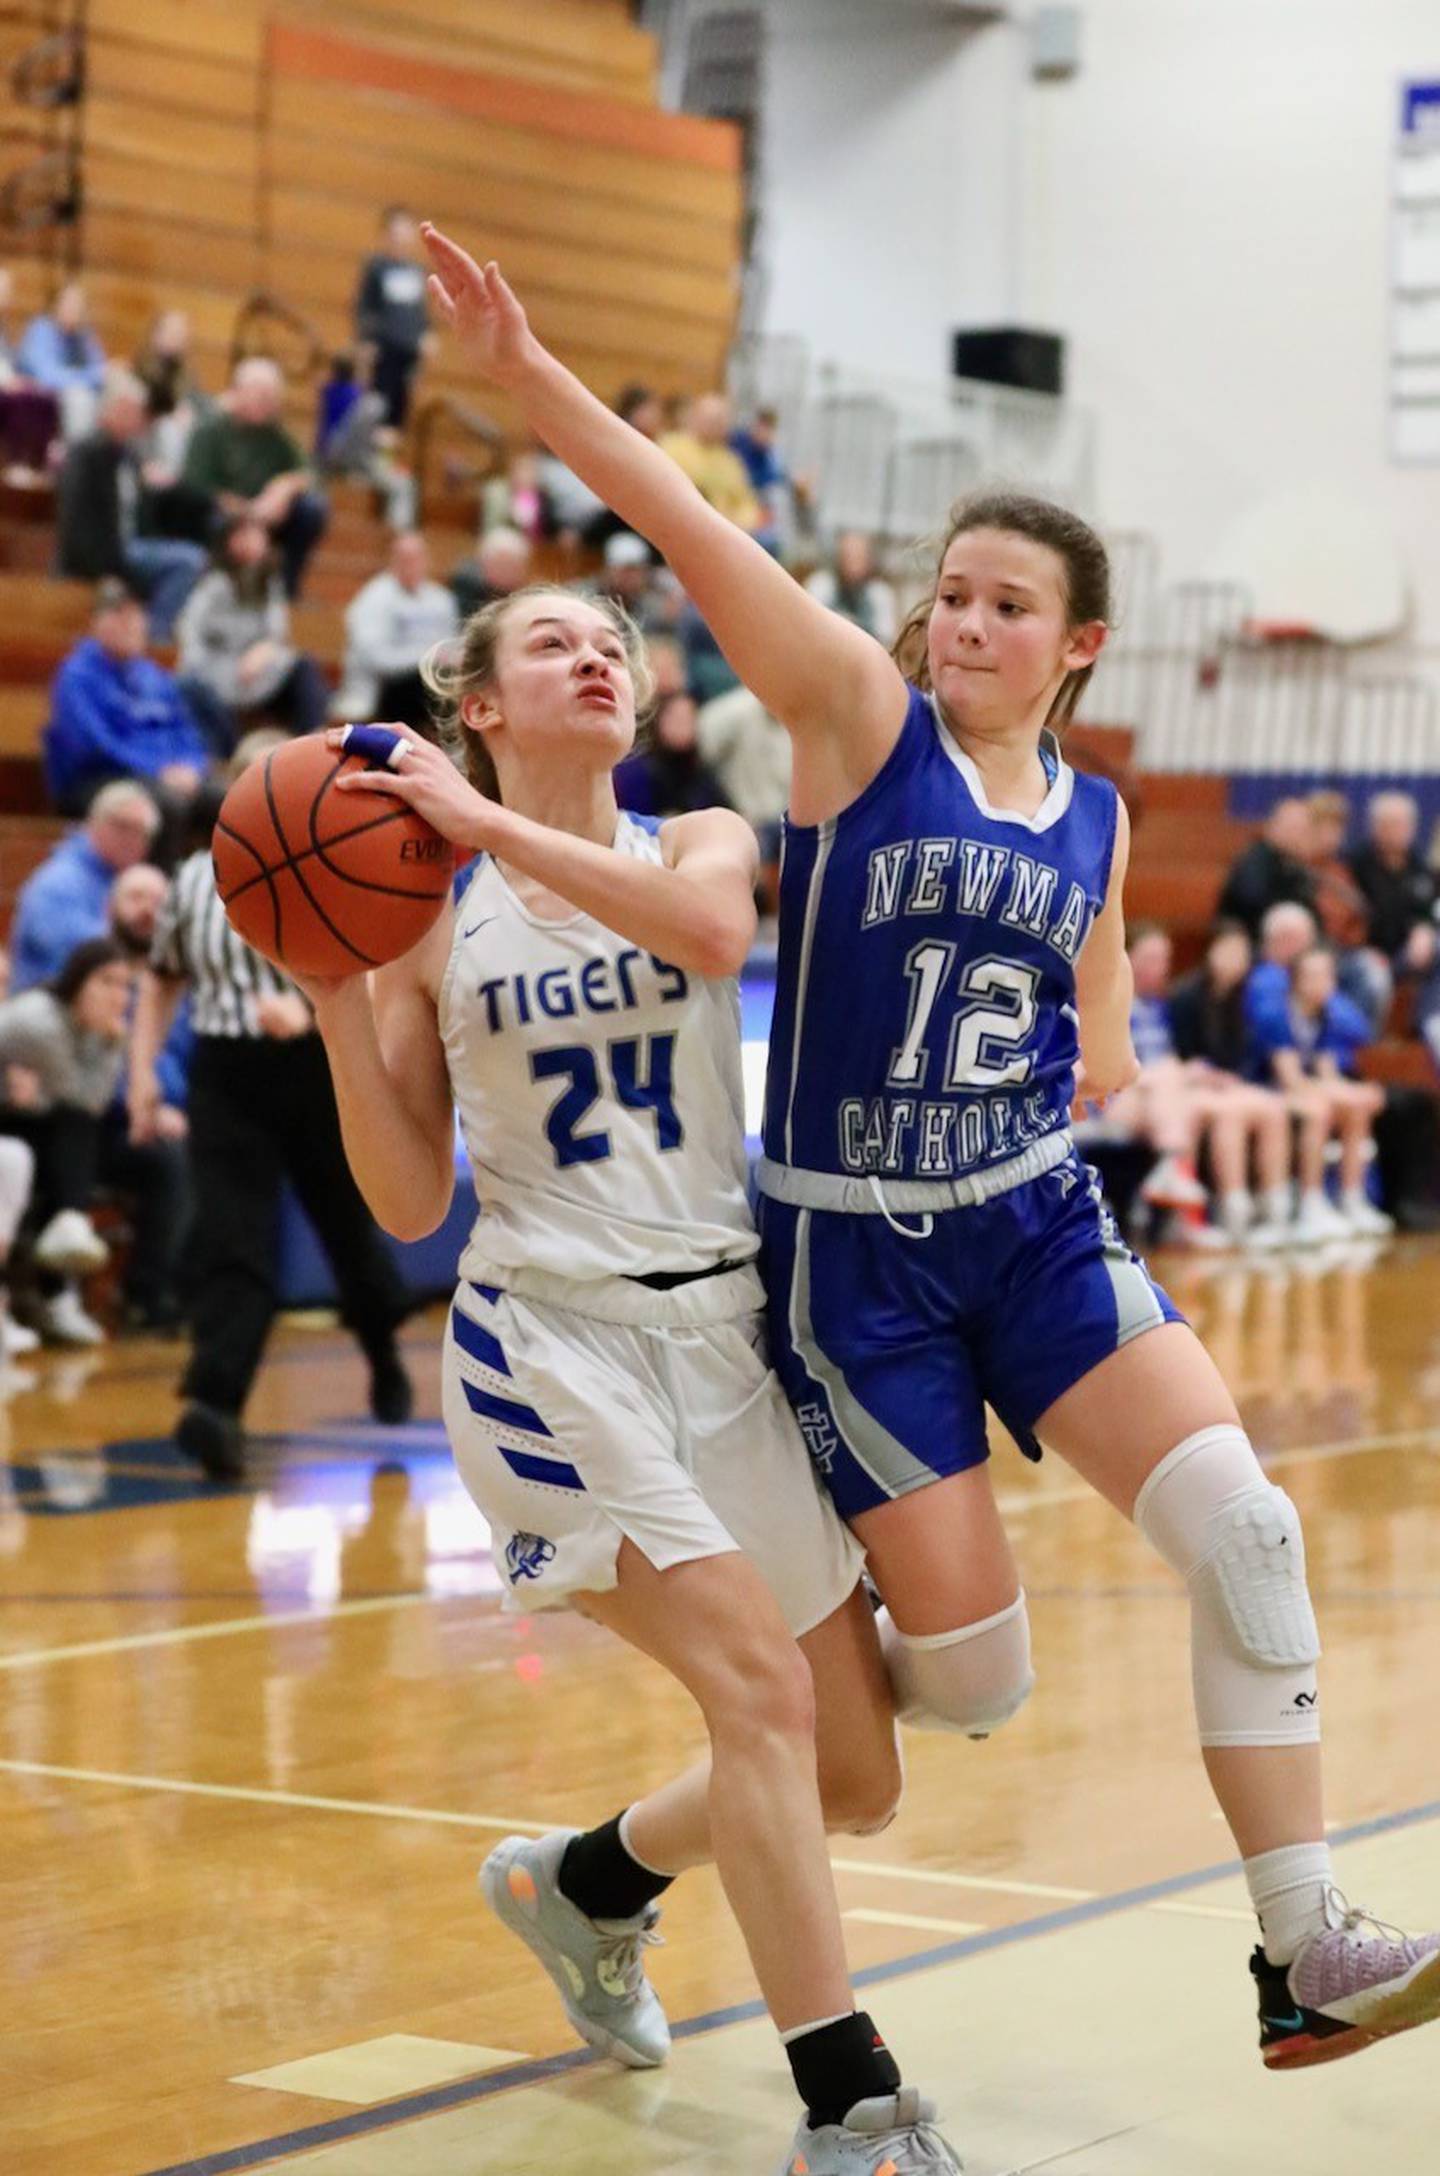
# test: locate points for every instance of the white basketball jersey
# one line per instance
(599, 1093)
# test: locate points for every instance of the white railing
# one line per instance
(891, 455)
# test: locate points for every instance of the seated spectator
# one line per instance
(1310, 1044)
(579, 514)
(235, 639)
(749, 753)
(115, 713)
(67, 898)
(1404, 897)
(62, 354)
(1343, 912)
(29, 415)
(703, 450)
(101, 510)
(852, 588)
(1185, 1105)
(62, 1049)
(518, 498)
(17, 1183)
(1272, 869)
(1287, 931)
(667, 776)
(501, 565)
(631, 579)
(353, 439)
(708, 670)
(781, 495)
(1213, 1040)
(174, 398)
(392, 319)
(244, 461)
(389, 626)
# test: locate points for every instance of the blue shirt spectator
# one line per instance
(1150, 1030)
(1315, 1021)
(59, 351)
(115, 713)
(67, 899)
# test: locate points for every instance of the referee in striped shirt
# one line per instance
(261, 1109)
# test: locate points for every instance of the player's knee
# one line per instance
(761, 1686)
(1235, 1538)
(863, 1797)
(971, 1680)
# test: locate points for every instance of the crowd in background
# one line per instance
(195, 514)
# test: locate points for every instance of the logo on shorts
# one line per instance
(819, 1432)
(526, 1556)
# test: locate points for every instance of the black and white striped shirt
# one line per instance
(194, 942)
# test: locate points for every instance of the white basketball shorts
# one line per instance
(572, 1433)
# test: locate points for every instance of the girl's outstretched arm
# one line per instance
(836, 689)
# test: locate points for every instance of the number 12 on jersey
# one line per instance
(996, 1013)
(639, 1085)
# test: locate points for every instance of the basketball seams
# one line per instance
(312, 902)
(341, 838)
(318, 845)
(264, 875)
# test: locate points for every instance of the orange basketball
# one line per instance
(322, 882)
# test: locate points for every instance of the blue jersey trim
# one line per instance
(509, 1411)
(479, 1343)
(553, 1472)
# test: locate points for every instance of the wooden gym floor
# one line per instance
(253, 1746)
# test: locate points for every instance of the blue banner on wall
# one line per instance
(1420, 109)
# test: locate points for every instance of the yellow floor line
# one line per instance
(371, 1807)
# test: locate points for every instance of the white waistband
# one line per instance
(873, 1196)
(696, 1305)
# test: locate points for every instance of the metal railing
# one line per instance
(299, 350)
(440, 417)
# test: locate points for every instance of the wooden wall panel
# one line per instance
(427, 136)
(593, 43)
(150, 77)
(225, 30)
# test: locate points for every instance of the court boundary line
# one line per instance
(438, 2100)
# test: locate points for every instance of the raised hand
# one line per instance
(479, 308)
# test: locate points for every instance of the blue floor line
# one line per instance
(438, 2099)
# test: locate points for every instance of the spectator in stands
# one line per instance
(115, 713)
(666, 658)
(631, 579)
(1186, 1106)
(175, 400)
(1343, 911)
(1287, 931)
(749, 753)
(1310, 1045)
(1404, 896)
(579, 514)
(102, 506)
(29, 415)
(235, 639)
(703, 450)
(391, 316)
(852, 587)
(1272, 868)
(244, 461)
(518, 499)
(1212, 1038)
(67, 899)
(784, 498)
(501, 565)
(389, 626)
(667, 776)
(62, 354)
(353, 439)
(62, 1048)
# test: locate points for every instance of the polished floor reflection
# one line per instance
(254, 1744)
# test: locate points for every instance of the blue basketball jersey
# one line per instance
(925, 1023)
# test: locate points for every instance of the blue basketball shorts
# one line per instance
(890, 1345)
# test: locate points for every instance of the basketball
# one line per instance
(325, 883)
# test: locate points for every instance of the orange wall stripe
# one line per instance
(574, 115)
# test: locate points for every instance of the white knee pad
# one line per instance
(972, 1680)
(1236, 1541)
(17, 1176)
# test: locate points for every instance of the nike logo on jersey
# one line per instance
(475, 927)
